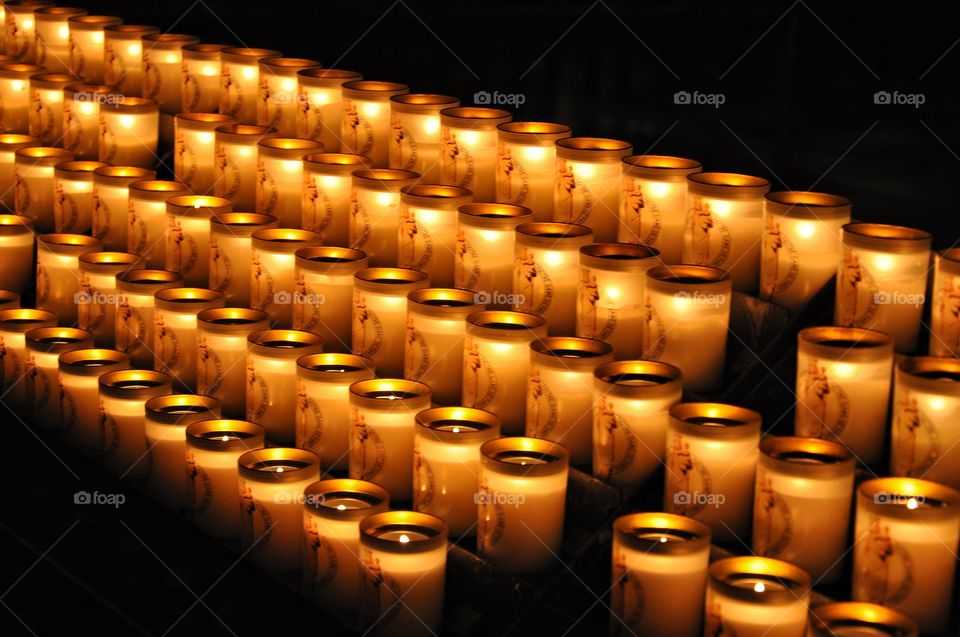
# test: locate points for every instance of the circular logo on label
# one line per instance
(491, 522)
(258, 393)
(231, 93)
(189, 89)
(181, 248)
(479, 377)
(884, 568)
(68, 408)
(416, 359)
(772, 519)
(706, 239)
(65, 212)
(209, 367)
(823, 408)
(639, 214)
(320, 564)
(513, 185)
(596, 320)
(380, 593)
(779, 264)
(185, 159)
(136, 231)
(542, 410)
(310, 117)
(573, 200)
(367, 454)
(424, 483)
(654, 337)
(416, 244)
(38, 385)
(687, 478)
(221, 269)
(130, 327)
(627, 599)
(21, 191)
(467, 267)
(199, 486)
(42, 122)
(857, 292)
(316, 205)
(262, 289)
(356, 133)
(359, 222)
(100, 215)
(257, 526)
(916, 440)
(456, 162)
(166, 345)
(266, 192)
(151, 76)
(109, 432)
(227, 182)
(615, 443)
(367, 328)
(309, 420)
(532, 284)
(78, 60)
(10, 365)
(90, 311)
(403, 147)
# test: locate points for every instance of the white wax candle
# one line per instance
(277, 105)
(200, 78)
(859, 619)
(162, 58)
(945, 308)
(58, 275)
(87, 47)
(222, 355)
(33, 183)
(110, 200)
(365, 126)
(325, 205)
(147, 219)
(587, 183)
(20, 37)
(14, 385)
(415, 132)
(428, 229)
(46, 105)
(17, 243)
(468, 149)
(73, 196)
(320, 100)
(231, 251)
(527, 165)
(125, 447)
(43, 346)
(235, 163)
(53, 36)
(375, 212)
(96, 296)
(323, 302)
(240, 82)
(187, 235)
(279, 179)
(15, 93)
(123, 56)
(175, 331)
(135, 312)
(9, 144)
(82, 415)
(194, 149)
(272, 283)
(129, 132)
(81, 117)
(484, 253)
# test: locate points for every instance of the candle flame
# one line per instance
(279, 469)
(912, 503)
(404, 539)
(341, 507)
(759, 587)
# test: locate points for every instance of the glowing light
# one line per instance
(18, 85)
(28, 23)
(279, 469)
(469, 137)
(288, 84)
(386, 199)
(403, 538)
(292, 166)
(554, 258)
(720, 208)
(456, 430)
(884, 262)
(427, 216)
(431, 125)
(53, 96)
(128, 121)
(172, 58)
(63, 32)
(659, 188)
(328, 181)
(534, 153)
(491, 236)
(134, 49)
(88, 108)
(97, 37)
(912, 503)
(249, 73)
(341, 507)
(937, 404)
(371, 110)
(844, 370)
(663, 538)
(225, 438)
(806, 229)
(682, 303)
(205, 138)
(584, 171)
(208, 70)
(759, 587)
(612, 293)
(243, 151)
(320, 99)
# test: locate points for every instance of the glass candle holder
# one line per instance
(755, 596)
(521, 502)
(53, 36)
(240, 81)
(17, 243)
(446, 463)
(14, 323)
(483, 260)
(587, 184)
(123, 56)
(125, 449)
(200, 78)
(279, 180)
(843, 387)
(271, 381)
(162, 60)
(415, 132)
(944, 322)
(129, 132)
(365, 127)
(659, 575)
(320, 100)
(848, 619)
(213, 448)
(428, 229)
(323, 302)
(325, 205)
(323, 404)
(546, 272)
(801, 245)
(15, 94)
(235, 163)
(58, 272)
(277, 105)
(43, 346)
(147, 218)
(380, 315)
(332, 512)
(194, 150)
(135, 311)
(20, 37)
(73, 196)
(375, 212)
(46, 106)
(631, 413)
(81, 117)
(905, 543)
(653, 190)
(469, 148)
(33, 183)
(403, 558)
(231, 250)
(272, 283)
(87, 47)
(188, 235)
(382, 414)
(111, 198)
(611, 293)
(801, 509)
(79, 372)
(175, 331)
(96, 296)
(712, 452)
(272, 482)
(9, 144)
(527, 164)
(222, 354)
(724, 224)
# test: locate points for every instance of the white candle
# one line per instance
(129, 132)
(147, 218)
(33, 183)
(468, 149)
(277, 105)
(415, 132)
(428, 229)
(859, 619)
(124, 446)
(483, 261)
(587, 183)
(365, 127)
(188, 235)
(81, 116)
(135, 311)
(162, 59)
(194, 150)
(222, 354)
(87, 47)
(272, 283)
(175, 331)
(200, 78)
(43, 346)
(527, 164)
(279, 178)
(240, 81)
(96, 296)
(46, 105)
(945, 308)
(14, 323)
(20, 38)
(231, 250)
(320, 100)
(325, 205)
(123, 56)
(235, 163)
(17, 243)
(73, 196)
(375, 212)
(53, 36)
(80, 416)
(58, 274)
(111, 198)
(15, 93)
(323, 302)
(9, 144)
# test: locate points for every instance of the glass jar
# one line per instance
(33, 183)
(73, 196)
(365, 127)
(124, 447)
(81, 117)
(175, 331)
(231, 251)
(415, 132)
(194, 148)
(279, 185)
(483, 260)
(96, 296)
(46, 106)
(235, 164)
(129, 132)
(323, 302)
(43, 346)
(81, 417)
(240, 82)
(187, 235)
(375, 212)
(15, 93)
(9, 144)
(428, 229)
(17, 243)
(272, 283)
(587, 184)
(325, 205)
(111, 197)
(135, 311)
(200, 78)
(277, 105)
(162, 75)
(320, 98)
(147, 219)
(123, 56)
(14, 323)
(58, 272)
(527, 164)
(87, 48)
(222, 354)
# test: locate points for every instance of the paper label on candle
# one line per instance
(615, 443)
(491, 521)
(221, 269)
(130, 327)
(356, 133)
(367, 454)
(416, 244)
(320, 564)
(136, 231)
(166, 348)
(42, 122)
(72, 129)
(267, 195)
(267, 110)
(209, 367)
(773, 519)
(424, 483)
(38, 384)
(181, 248)
(77, 60)
(316, 205)
(627, 599)
(403, 147)
(231, 93)
(258, 393)
(479, 377)
(706, 239)
(639, 213)
(779, 266)
(306, 306)
(654, 336)
(262, 289)
(379, 594)
(199, 486)
(186, 159)
(359, 222)
(64, 209)
(90, 311)
(227, 182)
(21, 193)
(108, 141)
(689, 480)
(456, 162)
(189, 89)
(108, 431)
(856, 292)
(916, 440)
(532, 284)
(823, 408)
(594, 322)
(715, 626)
(367, 328)
(18, 39)
(151, 76)
(467, 266)
(574, 201)
(68, 409)
(43, 284)
(257, 524)
(945, 315)
(416, 359)
(10, 366)
(309, 420)
(513, 185)
(310, 118)
(884, 567)
(541, 406)
(100, 215)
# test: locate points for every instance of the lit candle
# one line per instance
(17, 242)
(162, 59)
(320, 100)
(175, 331)
(272, 482)
(213, 448)
(96, 295)
(9, 144)
(801, 510)
(129, 132)
(428, 229)
(323, 302)
(325, 205)
(15, 94)
(87, 46)
(46, 106)
(125, 448)
(235, 163)
(73, 196)
(365, 127)
(272, 283)
(277, 105)
(521, 502)
(200, 78)
(188, 235)
(905, 548)
(14, 323)
(20, 37)
(380, 314)
(546, 272)
(135, 311)
(944, 320)
(859, 619)
(222, 354)
(194, 150)
(33, 183)
(79, 372)
(587, 183)
(123, 56)
(723, 227)
(240, 81)
(279, 178)
(415, 132)
(843, 388)
(323, 404)
(659, 575)
(468, 149)
(271, 379)
(483, 261)
(446, 463)
(43, 346)
(53, 36)
(527, 164)
(712, 452)
(58, 274)
(147, 218)
(382, 415)
(801, 245)
(111, 198)
(403, 558)
(757, 597)
(231, 250)
(375, 212)
(81, 116)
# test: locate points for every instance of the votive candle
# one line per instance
(43, 346)
(277, 105)
(17, 243)
(483, 261)
(15, 93)
(9, 144)
(125, 448)
(320, 101)
(231, 251)
(240, 81)
(33, 183)
(428, 229)
(188, 235)
(235, 163)
(81, 116)
(323, 302)
(53, 36)
(325, 205)
(272, 272)
(46, 106)
(365, 127)
(415, 132)
(123, 56)
(73, 196)
(129, 132)
(111, 200)
(175, 331)
(279, 180)
(469, 149)
(200, 78)
(587, 183)
(14, 323)
(527, 164)
(375, 212)
(134, 321)
(222, 354)
(58, 273)
(194, 149)
(162, 60)
(945, 308)
(147, 218)
(79, 371)
(96, 296)
(87, 57)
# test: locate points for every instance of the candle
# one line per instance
(468, 149)
(58, 273)
(323, 404)
(611, 294)
(546, 272)
(905, 548)
(79, 371)
(320, 100)
(403, 558)
(96, 296)
(14, 323)
(43, 346)
(125, 448)
(135, 311)
(801, 245)
(801, 510)
(272, 482)
(446, 463)
(240, 81)
(757, 597)
(231, 249)
(15, 94)
(587, 183)
(325, 205)
(194, 150)
(843, 388)
(332, 512)
(711, 466)
(483, 260)
(20, 37)
(175, 331)
(111, 197)
(200, 78)
(659, 575)
(162, 59)
(165, 427)
(380, 314)
(723, 224)
(277, 105)
(272, 283)
(53, 36)
(382, 415)
(46, 106)
(81, 116)
(365, 127)
(271, 379)
(213, 448)
(123, 56)
(222, 354)
(323, 302)
(33, 183)
(235, 163)
(147, 218)
(188, 235)
(375, 212)
(428, 229)
(944, 312)
(73, 196)
(520, 503)
(9, 144)
(859, 619)
(415, 132)
(87, 47)
(882, 279)
(17, 242)
(279, 179)
(129, 132)
(527, 163)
